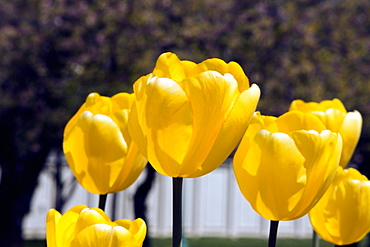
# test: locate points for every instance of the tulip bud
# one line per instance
(98, 146)
(84, 227)
(187, 117)
(284, 165)
(342, 216)
(336, 118)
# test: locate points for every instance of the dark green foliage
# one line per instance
(59, 51)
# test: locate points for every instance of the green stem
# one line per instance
(273, 233)
(177, 212)
(315, 240)
(102, 200)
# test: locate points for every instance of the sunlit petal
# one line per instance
(342, 216)
(81, 226)
(104, 235)
(169, 123)
(52, 219)
(234, 127)
(97, 141)
(335, 117)
(90, 217)
(218, 94)
(350, 132)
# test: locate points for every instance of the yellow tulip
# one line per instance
(336, 118)
(187, 117)
(284, 165)
(84, 227)
(342, 216)
(98, 147)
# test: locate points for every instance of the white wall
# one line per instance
(213, 206)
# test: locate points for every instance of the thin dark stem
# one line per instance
(177, 212)
(102, 200)
(273, 233)
(315, 239)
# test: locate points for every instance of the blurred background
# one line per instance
(53, 53)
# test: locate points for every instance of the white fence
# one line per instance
(213, 206)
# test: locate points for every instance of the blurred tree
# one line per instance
(55, 52)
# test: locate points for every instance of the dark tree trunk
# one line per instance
(20, 168)
(16, 190)
(140, 199)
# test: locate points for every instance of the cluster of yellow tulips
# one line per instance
(185, 119)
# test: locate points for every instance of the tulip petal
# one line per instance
(231, 131)
(335, 117)
(237, 71)
(169, 125)
(341, 216)
(52, 220)
(120, 118)
(137, 129)
(106, 164)
(254, 127)
(321, 152)
(76, 157)
(316, 214)
(169, 66)
(122, 237)
(350, 132)
(300, 105)
(99, 235)
(73, 148)
(103, 139)
(349, 197)
(122, 104)
(275, 166)
(95, 149)
(246, 164)
(212, 97)
(296, 120)
(334, 104)
(214, 64)
(281, 175)
(94, 104)
(89, 217)
(122, 101)
(137, 228)
(330, 112)
(66, 225)
(133, 165)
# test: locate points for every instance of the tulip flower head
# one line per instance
(98, 146)
(284, 165)
(342, 216)
(187, 117)
(336, 118)
(84, 227)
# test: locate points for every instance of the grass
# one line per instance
(221, 242)
(225, 242)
